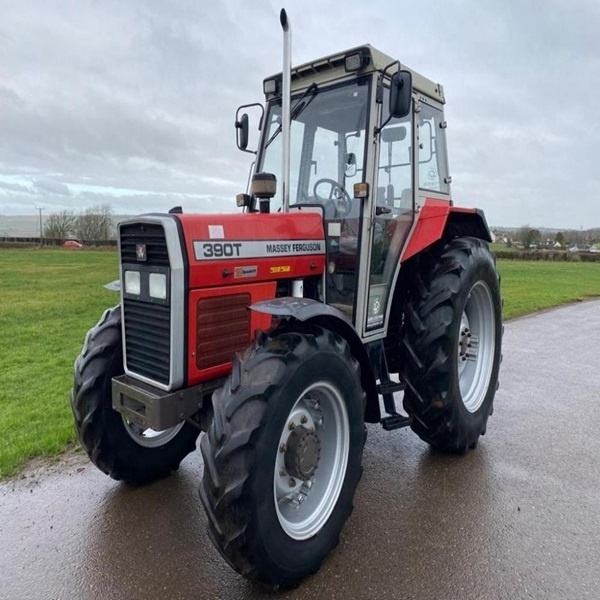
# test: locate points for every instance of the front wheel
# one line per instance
(282, 457)
(118, 447)
(452, 343)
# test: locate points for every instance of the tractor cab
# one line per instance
(367, 158)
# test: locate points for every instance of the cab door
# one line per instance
(392, 213)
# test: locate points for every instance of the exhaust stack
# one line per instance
(286, 76)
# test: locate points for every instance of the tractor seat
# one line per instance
(385, 195)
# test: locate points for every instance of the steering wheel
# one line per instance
(337, 196)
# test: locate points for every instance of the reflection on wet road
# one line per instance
(517, 518)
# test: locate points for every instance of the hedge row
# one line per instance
(21, 242)
(551, 255)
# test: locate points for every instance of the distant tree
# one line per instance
(560, 238)
(95, 223)
(60, 225)
(522, 235)
(535, 237)
(530, 238)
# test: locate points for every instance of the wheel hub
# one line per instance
(476, 340)
(464, 343)
(302, 453)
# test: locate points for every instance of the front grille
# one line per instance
(223, 328)
(150, 235)
(147, 322)
(147, 339)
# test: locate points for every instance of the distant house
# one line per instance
(573, 248)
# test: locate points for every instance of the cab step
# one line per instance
(395, 421)
(390, 387)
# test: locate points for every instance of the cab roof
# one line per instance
(332, 67)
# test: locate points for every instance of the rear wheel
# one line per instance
(452, 343)
(118, 447)
(282, 457)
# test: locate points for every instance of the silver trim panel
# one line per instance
(177, 302)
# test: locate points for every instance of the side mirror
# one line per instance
(242, 124)
(400, 94)
(242, 131)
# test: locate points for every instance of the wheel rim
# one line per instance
(306, 497)
(476, 346)
(149, 438)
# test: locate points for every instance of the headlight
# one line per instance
(158, 286)
(132, 282)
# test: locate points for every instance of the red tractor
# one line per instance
(281, 330)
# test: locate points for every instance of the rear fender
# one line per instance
(438, 219)
(307, 310)
(467, 222)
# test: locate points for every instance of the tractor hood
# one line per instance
(227, 249)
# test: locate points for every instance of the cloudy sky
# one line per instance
(132, 102)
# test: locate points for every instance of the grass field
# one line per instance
(502, 248)
(532, 286)
(50, 298)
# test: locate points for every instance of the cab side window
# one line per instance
(395, 165)
(433, 163)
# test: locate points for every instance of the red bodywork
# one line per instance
(430, 225)
(220, 289)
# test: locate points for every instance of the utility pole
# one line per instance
(41, 228)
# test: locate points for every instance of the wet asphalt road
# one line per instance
(517, 518)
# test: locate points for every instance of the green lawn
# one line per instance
(531, 286)
(502, 248)
(50, 298)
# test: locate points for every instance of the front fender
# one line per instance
(307, 310)
(302, 309)
(114, 286)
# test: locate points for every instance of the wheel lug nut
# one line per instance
(291, 425)
(292, 482)
(303, 419)
(282, 472)
(282, 448)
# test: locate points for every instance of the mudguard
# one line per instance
(113, 286)
(438, 219)
(305, 309)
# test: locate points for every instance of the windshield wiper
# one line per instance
(297, 110)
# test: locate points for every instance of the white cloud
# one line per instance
(136, 100)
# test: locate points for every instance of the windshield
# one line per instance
(327, 144)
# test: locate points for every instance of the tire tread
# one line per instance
(427, 344)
